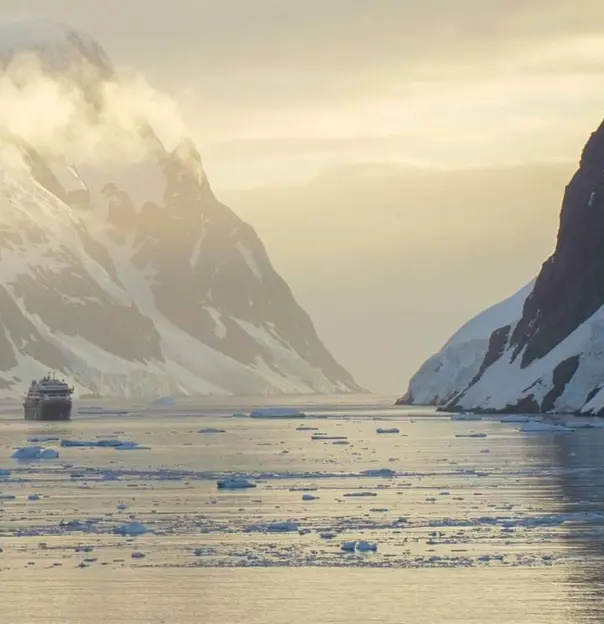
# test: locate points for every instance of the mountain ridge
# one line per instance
(124, 272)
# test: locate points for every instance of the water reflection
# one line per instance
(579, 457)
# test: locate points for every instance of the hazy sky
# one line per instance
(290, 95)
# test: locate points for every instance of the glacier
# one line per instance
(125, 274)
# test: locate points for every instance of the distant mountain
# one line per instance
(542, 350)
(128, 276)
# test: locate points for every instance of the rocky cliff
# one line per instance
(545, 354)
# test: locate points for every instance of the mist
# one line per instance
(82, 115)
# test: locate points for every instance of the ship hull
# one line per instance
(49, 411)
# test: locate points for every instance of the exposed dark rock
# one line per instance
(570, 287)
(526, 405)
(563, 373)
(497, 344)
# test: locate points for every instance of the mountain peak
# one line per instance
(56, 45)
(120, 268)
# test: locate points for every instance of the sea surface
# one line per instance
(471, 521)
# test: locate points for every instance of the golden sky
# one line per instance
(332, 127)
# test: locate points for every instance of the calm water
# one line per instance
(473, 521)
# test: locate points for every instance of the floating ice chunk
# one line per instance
(202, 552)
(234, 483)
(130, 446)
(514, 418)
(392, 430)
(281, 527)
(211, 430)
(132, 529)
(378, 472)
(31, 453)
(120, 445)
(359, 494)
(43, 439)
(348, 546)
(466, 417)
(535, 426)
(584, 425)
(321, 436)
(277, 412)
(309, 497)
(363, 546)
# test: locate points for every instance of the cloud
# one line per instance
(83, 115)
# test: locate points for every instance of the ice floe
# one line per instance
(32, 453)
(119, 445)
(132, 529)
(537, 426)
(277, 412)
(234, 483)
(466, 417)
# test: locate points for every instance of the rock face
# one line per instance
(544, 353)
(128, 276)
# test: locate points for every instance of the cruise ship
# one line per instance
(48, 399)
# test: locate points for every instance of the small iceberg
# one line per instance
(378, 472)
(536, 426)
(359, 494)
(281, 527)
(321, 436)
(119, 445)
(466, 417)
(32, 453)
(41, 439)
(392, 430)
(514, 418)
(234, 483)
(131, 529)
(277, 412)
(363, 546)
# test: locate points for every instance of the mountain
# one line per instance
(543, 349)
(119, 267)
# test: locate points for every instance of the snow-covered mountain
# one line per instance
(543, 349)
(119, 268)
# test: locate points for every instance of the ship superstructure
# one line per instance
(48, 399)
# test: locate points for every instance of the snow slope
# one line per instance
(450, 370)
(543, 350)
(127, 275)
